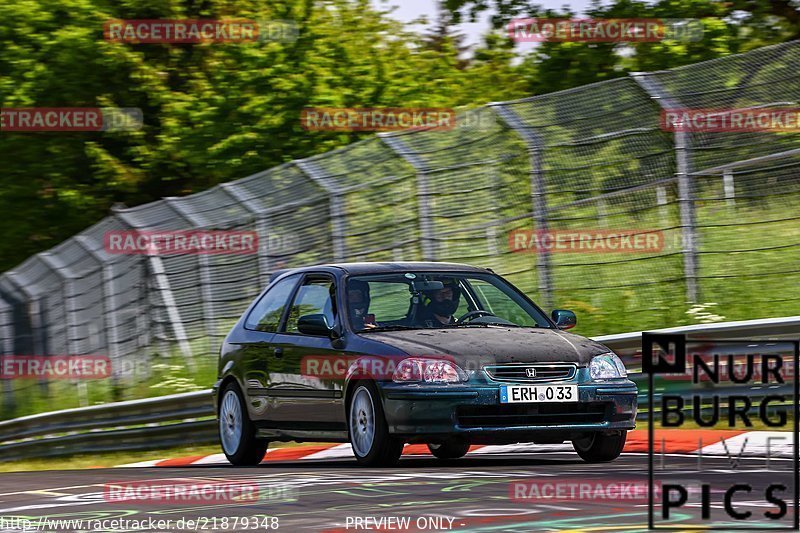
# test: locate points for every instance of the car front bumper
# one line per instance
(474, 412)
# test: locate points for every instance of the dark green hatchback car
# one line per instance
(384, 354)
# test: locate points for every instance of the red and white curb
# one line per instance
(706, 442)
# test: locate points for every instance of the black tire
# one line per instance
(600, 447)
(449, 449)
(246, 450)
(381, 449)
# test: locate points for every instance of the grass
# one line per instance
(155, 375)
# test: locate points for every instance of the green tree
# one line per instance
(212, 112)
(729, 28)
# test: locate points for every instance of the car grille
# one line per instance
(543, 372)
(546, 414)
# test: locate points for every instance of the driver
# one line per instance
(358, 305)
(443, 303)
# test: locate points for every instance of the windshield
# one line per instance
(424, 300)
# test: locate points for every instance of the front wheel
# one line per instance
(369, 433)
(599, 447)
(449, 449)
(237, 434)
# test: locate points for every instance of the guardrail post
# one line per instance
(686, 195)
(336, 198)
(535, 146)
(426, 228)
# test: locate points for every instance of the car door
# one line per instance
(305, 385)
(256, 343)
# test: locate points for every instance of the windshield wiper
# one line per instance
(387, 328)
(486, 324)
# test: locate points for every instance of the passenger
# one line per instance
(358, 305)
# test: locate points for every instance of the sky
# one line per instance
(408, 10)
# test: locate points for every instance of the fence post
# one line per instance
(110, 322)
(686, 194)
(205, 270)
(6, 348)
(262, 230)
(57, 267)
(320, 177)
(729, 187)
(428, 244)
(23, 341)
(165, 290)
(39, 342)
(535, 147)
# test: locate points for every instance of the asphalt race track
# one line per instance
(471, 494)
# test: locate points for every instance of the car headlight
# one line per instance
(419, 369)
(607, 366)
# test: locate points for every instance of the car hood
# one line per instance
(494, 344)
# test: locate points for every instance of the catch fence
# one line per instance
(725, 207)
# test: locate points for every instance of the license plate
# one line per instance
(538, 393)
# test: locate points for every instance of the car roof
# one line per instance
(383, 268)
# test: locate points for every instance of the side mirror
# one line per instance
(314, 325)
(564, 319)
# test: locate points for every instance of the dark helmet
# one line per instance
(361, 286)
(445, 307)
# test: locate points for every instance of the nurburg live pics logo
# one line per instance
(727, 396)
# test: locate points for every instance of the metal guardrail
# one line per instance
(150, 423)
(190, 433)
(772, 328)
(145, 411)
(172, 420)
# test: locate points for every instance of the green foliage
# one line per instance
(729, 28)
(212, 112)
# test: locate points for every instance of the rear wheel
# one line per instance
(449, 449)
(237, 434)
(600, 447)
(369, 433)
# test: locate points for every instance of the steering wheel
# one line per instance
(473, 314)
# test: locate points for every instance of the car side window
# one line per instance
(314, 297)
(266, 315)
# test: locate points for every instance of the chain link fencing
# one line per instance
(723, 208)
